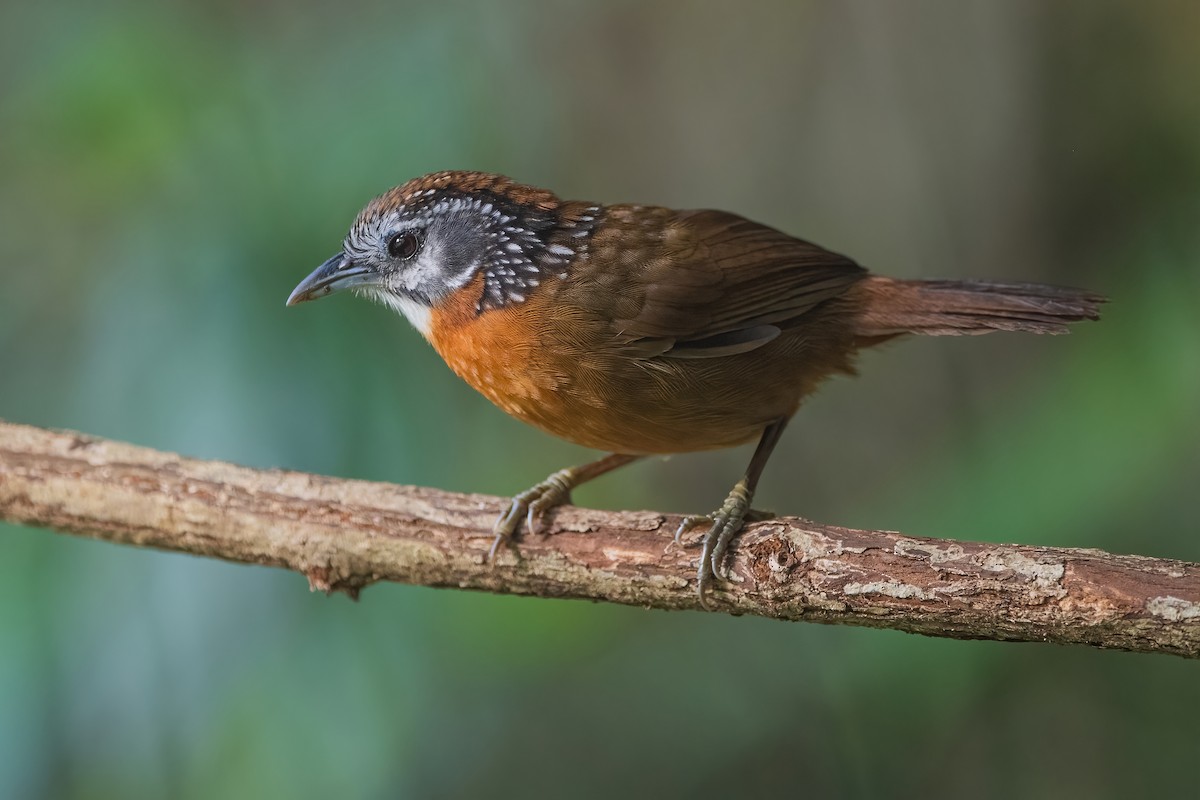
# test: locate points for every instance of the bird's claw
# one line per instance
(689, 523)
(726, 522)
(693, 521)
(556, 491)
(531, 505)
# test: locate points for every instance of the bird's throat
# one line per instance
(414, 311)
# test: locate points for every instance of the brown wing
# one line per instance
(721, 284)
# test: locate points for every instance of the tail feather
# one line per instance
(963, 308)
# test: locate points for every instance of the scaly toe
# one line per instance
(714, 546)
(507, 523)
(554, 494)
(688, 524)
(530, 505)
(703, 584)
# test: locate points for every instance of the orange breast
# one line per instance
(555, 365)
(500, 353)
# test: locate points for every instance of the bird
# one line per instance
(640, 330)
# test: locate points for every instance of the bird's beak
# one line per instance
(334, 275)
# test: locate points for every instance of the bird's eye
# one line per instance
(403, 245)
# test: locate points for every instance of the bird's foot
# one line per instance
(531, 505)
(693, 521)
(733, 514)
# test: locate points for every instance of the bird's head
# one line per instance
(415, 245)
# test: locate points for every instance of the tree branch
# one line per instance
(344, 535)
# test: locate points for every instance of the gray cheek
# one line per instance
(431, 273)
(464, 250)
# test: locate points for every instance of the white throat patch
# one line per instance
(417, 313)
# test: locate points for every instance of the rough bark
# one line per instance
(344, 535)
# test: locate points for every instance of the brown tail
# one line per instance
(961, 308)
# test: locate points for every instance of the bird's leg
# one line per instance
(534, 502)
(733, 513)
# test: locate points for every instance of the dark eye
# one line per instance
(403, 245)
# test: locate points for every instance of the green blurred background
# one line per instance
(169, 171)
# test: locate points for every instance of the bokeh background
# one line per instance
(169, 171)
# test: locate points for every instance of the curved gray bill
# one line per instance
(334, 275)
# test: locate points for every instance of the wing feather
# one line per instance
(724, 285)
